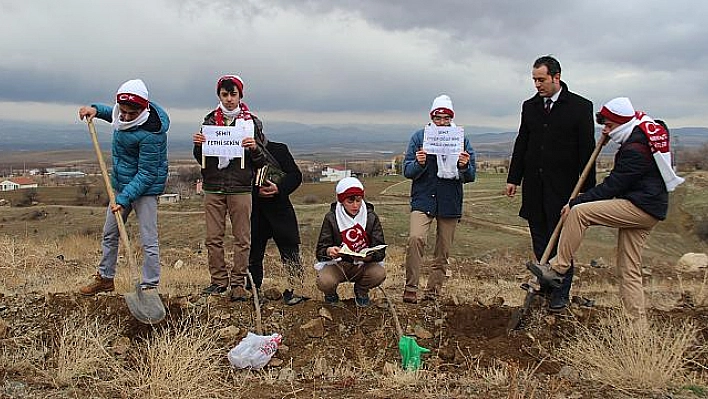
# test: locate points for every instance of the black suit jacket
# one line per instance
(550, 153)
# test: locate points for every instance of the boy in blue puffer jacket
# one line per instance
(139, 154)
(436, 195)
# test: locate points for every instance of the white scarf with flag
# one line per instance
(658, 141)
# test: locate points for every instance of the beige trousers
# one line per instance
(634, 226)
(238, 207)
(417, 240)
(365, 277)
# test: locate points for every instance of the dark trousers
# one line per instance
(541, 231)
(288, 247)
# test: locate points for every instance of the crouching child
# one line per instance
(350, 226)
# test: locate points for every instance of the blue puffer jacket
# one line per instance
(139, 155)
(429, 193)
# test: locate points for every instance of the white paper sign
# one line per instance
(224, 141)
(443, 140)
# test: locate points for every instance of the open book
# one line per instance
(364, 252)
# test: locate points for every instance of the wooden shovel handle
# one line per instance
(112, 199)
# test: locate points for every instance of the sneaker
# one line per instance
(238, 293)
(331, 299)
(546, 275)
(99, 284)
(410, 297)
(214, 289)
(362, 301)
(290, 298)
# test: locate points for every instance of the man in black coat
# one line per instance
(273, 216)
(555, 141)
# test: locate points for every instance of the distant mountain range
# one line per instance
(352, 141)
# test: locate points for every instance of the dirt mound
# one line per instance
(457, 333)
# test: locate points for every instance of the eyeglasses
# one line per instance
(442, 117)
(600, 119)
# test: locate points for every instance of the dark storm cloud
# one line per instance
(367, 57)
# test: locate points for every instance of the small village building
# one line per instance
(70, 174)
(335, 173)
(17, 183)
(168, 199)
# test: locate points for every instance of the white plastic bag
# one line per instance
(254, 351)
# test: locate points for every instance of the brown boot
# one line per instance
(435, 284)
(99, 284)
(410, 297)
(238, 293)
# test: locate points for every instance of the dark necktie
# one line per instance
(548, 105)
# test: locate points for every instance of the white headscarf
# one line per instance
(136, 92)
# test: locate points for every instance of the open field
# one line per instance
(57, 344)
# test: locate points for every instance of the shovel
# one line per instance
(407, 346)
(145, 306)
(518, 315)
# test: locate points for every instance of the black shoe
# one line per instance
(362, 301)
(557, 304)
(545, 274)
(331, 299)
(214, 289)
(290, 298)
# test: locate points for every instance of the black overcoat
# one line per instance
(278, 211)
(550, 153)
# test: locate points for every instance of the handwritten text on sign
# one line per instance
(224, 141)
(443, 140)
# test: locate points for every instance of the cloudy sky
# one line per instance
(365, 61)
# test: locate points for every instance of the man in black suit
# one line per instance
(555, 141)
(273, 216)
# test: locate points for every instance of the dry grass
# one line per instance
(81, 351)
(632, 354)
(180, 361)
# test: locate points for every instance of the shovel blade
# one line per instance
(145, 306)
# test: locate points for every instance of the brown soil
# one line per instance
(462, 336)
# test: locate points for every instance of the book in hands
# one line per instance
(363, 253)
(268, 173)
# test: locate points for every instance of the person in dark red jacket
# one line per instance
(556, 138)
(633, 198)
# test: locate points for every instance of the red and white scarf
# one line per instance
(352, 229)
(241, 115)
(658, 141)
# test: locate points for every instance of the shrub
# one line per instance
(632, 354)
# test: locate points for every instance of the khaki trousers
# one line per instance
(365, 277)
(420, 224)
(238, 207)
(634, 226)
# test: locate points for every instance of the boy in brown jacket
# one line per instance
(351, 222)
(227, 185)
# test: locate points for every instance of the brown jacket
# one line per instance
(330, 237)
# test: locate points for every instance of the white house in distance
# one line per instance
(335, 173)
(17, 183)
(168, 199)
